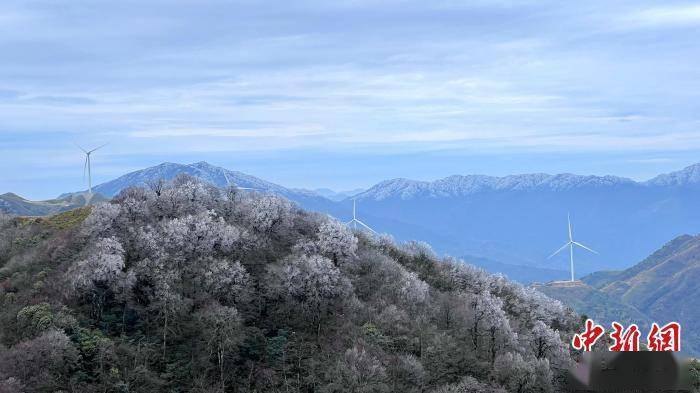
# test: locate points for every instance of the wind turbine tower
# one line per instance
(356, 220)
(571, 243)
(88, 167)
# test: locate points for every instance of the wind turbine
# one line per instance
(571, 243)
(88, 168)
(356, 221)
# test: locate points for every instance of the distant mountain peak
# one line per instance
(688, 176)
(11, 195)
(204, 164)
(216, 175)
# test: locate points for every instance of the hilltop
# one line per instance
(189, 287)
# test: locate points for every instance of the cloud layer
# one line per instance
(168, 79)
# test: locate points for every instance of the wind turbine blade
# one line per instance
(85, 167)
(350, 222)
(559, 250)
(589, 249)
(79, 147)
(99, 147)
(365, 225)
(568, 219)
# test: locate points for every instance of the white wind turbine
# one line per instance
(571, 243)
(87, 168)
(356, 221)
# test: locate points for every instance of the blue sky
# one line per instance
(343, 94)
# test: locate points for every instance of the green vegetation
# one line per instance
(600, 306)
(660, 287)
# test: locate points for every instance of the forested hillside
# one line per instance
(183, 287)
(661, 286)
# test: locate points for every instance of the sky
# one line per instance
(344, 94)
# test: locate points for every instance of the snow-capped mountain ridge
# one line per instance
(458, 185)
(461, 185)
(687, 176)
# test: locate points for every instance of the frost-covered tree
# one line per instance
(267, 212)
(486, 317)
(519, 375)
(314, 283)
(407, 374)
(103, 266)
(358, 371)
(198, 235)
(101, 220)
(413, 290)
(41, 364)
(221, 328)
(101, 274)
(469, 385)
(336, 241)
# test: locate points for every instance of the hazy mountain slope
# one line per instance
(601, 278)
(519, 273)
(15, 204)
(661, 288)
(337, 195)
(521, 219)
(595, 304)
(665, 286)
(689, 176)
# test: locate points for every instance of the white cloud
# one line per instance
(684, 15)
(299, 130)
(653, 161)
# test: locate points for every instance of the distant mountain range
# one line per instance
(15, 204)
(662, 288)
(521, 219)
(519, 273)
(514, 221)
(337, 195)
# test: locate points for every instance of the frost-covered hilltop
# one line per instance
(186, 287)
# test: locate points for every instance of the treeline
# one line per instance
(183, 287)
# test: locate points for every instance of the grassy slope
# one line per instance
(585, 299)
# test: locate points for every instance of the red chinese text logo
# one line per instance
(666, 338)
(586, 339)
(624, 340)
